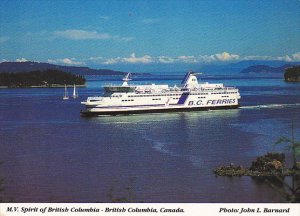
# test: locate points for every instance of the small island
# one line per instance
(271, 164)
(292, 74)
(47, 78)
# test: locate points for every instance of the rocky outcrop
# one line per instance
(271, 164)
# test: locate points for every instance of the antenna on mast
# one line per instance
(126, 79)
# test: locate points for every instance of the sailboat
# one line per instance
(66, 96)
(75, 93)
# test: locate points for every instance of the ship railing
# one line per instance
(212, 89)
(217, 89)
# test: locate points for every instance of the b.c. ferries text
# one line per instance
(189, 96)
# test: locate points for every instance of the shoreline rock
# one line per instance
(271, 164)
(241, 171)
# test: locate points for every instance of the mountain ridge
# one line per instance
(266, 69)
(20, 67)
(238, 67)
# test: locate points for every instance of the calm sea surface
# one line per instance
(49, 153)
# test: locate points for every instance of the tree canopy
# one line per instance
(292, 74)
(46, 78)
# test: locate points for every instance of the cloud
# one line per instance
(66, 61)
(131, 60)
(255, 57)
(183, 59)
(187, 59)
(95, 58)
(149, 21)
(147, 59)
(3, 39)
(104, 17)
(123, 39)
(225, 56)
(296, 56)
(112, 61)
(77, 34)
(21, 60)
(165, 59)
(71, 62)
(285, 58)
(288, 58)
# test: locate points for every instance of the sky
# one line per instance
(144, 35)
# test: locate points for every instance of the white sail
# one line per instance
(75, 93)
(66, 96)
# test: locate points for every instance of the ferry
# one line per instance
(190, 95)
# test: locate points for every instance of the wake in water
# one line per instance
(270, 106)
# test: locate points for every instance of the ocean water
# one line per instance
(49, 153)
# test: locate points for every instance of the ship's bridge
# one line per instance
(190, 80)
(112, 89)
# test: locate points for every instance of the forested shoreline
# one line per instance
(292, 74)
(48, 78)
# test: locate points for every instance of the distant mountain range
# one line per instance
(266, 69)
(250, 66)
(18, 67)
(244, 67)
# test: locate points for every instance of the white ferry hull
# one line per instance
(147, 109)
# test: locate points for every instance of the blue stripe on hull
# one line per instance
(183, 98)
